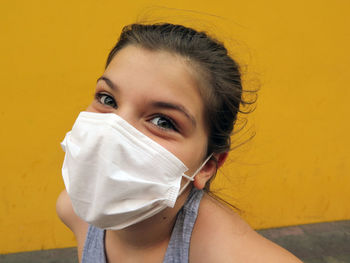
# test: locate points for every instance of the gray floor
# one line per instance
(314, 243)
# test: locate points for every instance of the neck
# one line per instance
(152, 232)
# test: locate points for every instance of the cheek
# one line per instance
(193, 153)
(98, 108)
(90, 108)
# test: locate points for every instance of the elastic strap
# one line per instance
(191, 178)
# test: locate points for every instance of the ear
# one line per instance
(221, 157)
(209, 169)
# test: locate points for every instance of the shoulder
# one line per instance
(67, 215)
(220, 235)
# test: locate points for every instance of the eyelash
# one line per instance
(98, 97)
(167, 118)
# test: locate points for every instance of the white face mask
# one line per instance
(115, 175)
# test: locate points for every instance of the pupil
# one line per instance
(108, 101)
(163, 123)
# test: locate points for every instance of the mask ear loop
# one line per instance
(191, 178)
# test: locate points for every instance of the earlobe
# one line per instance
(201, 179)
(209, 170)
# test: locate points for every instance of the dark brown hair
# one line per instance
(223, 92)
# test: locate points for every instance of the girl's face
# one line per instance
(156, 92)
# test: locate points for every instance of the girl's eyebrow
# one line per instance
(108, 82)
(159, 104)
(180, 108)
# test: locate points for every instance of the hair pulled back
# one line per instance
(223, 92)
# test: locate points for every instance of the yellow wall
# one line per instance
(296, 169)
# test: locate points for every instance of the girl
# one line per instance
(140, 159)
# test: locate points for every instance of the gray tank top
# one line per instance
(179, 244)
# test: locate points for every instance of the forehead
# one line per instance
(156, 75)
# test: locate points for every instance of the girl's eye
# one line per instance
(106, 100)
(163, 123)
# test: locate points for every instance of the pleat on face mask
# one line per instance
(115, 175)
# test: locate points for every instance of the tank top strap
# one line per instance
(179, 244)
(94, 247)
